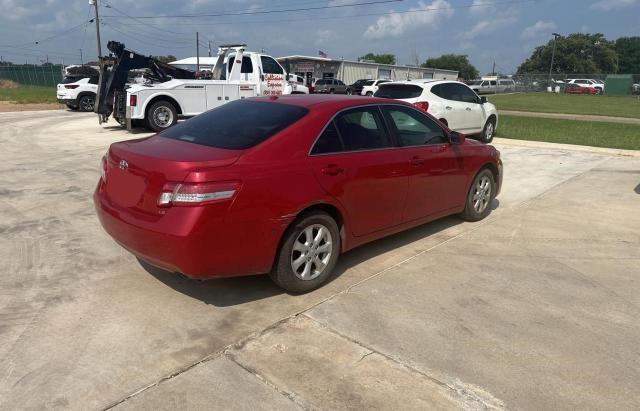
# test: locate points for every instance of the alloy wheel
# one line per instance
(482, 194)
(311, 252)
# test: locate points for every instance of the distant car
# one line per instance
(297, 84)
(571, 88)
(331, 86)
(78, 93)
(284, 185)
(356, 87)
(451, 102)
(371, 86)
(587, 82)
(635, 89)
(492, 86)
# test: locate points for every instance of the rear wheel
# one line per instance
(308, 253)
(161, 115)
(480, 195)
(369, 93)
(488, 131)
(86, 103)
(349, 92)
(331, 91)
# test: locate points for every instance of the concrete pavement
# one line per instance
(535, 307)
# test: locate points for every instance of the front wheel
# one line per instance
(488, 131)
(161, 115)
(480, 196)
(308, 253)
(349, 92)
(369, 93)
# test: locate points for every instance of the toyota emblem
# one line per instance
(124, 165)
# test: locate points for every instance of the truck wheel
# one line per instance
(161, 115)
(86, 103)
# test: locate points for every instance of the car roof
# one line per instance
(327, 100)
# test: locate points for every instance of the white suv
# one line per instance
(451, 102)
(78, 93)
(369, 87)
(587, 82)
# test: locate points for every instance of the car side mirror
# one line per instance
(456, 138)
(483, 100)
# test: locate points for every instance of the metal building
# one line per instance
(349, 71)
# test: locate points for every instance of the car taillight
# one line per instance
(197, 193)
(133, 100)
(71, 86)
(422, 105)
(103, 168)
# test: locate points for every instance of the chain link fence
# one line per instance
(33, 75)
(541, 82)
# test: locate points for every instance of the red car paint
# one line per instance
(577, 89)
(373, 193)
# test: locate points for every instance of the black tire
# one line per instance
(283, 273)
(599, 90)
(369, 93)
(86, 102)
(72, 107)
(349, 92)
(158, 111)
(471, 210)
(331, 91)
(488, 131)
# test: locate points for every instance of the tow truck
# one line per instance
(172, 92)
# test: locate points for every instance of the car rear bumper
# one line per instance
(188, 240)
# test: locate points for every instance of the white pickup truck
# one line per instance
(237, 74)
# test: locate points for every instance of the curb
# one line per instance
(571, 147)
(574, 117)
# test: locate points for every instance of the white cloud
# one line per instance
(607, 5)
(541, 27)
(487, 26)
(395, 24)
(482, 7)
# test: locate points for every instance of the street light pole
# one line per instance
(97, 19)
(553, 55)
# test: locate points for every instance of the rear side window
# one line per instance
(414, 128)
(321, 82)
(328, 142)
(237, 125)
(399, 91)
(247, 65)
(270, 66)
(94, 80)
(68, 80)
(362, 129)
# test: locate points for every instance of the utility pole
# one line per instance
(493, 72)
(95, 6)
(209, 48)
(197, 51)
(81, 59)
(553, 56)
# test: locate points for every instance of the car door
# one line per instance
(436, 177)
(355, 161)
(272, 78)
(454, 110)
(473, 116)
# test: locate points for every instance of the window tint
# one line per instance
(493, 82)
(247, 65)
(328, 142)
(415, 129)
(362, 129)
(270, 66)
(68, 80)
(399, 91)
(94, 80)
(339, 82)
(367, 83)
(322, 82)
(459, 92)
(237, 125)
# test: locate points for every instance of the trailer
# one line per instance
(178, 93)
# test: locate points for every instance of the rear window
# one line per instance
(367, 83)
(399, 91)
(68, 80)
(237, 125)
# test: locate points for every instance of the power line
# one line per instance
(252, 12)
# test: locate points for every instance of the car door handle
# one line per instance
(332, 170)
(468, 108)
(417, 161)
(449, 107)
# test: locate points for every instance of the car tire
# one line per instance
(488, 131)
(86, 103)
(299, 255)
(480, 195)
(599, 90)
(349, 92)
(369, 93)
(331, 91)
(161, 115)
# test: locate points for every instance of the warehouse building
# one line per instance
(349, 71)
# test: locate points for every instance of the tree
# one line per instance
(380, 58)
(628, 51)
(458, 62)
(165, 59)
(577, 53)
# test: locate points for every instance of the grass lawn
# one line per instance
(585, 133)
(29, 94)
(627, 106)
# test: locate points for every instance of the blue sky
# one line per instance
(502, 30)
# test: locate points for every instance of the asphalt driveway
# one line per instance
(535, 307)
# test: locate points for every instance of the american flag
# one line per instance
(322, 54)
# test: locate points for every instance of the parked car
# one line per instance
(371, 86)
(283, 185)
(451, 102)
(78, 93)
(331, 86)
(587, 82)
(571, 88)
(297, 84)
(356, 87)
(492, 86)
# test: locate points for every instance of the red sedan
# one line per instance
(284, 185)
(577, 89)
